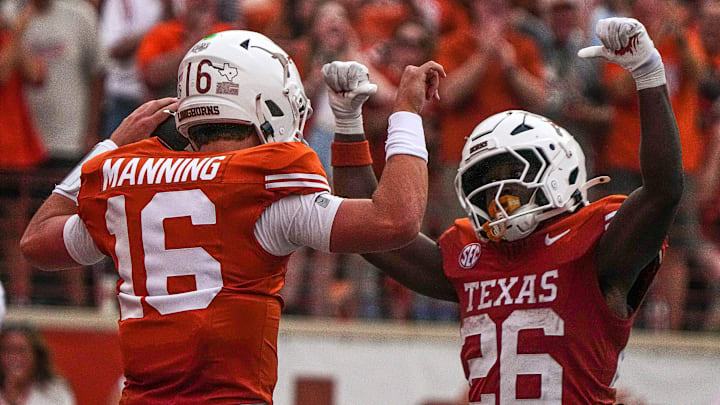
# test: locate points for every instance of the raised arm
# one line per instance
(640, 226)
(417, 266)
(56, 238)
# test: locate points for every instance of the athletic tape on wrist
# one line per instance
(651, 79)
(349, 125)
(405, 136)
(69, 187)
(346, 154)
(651, 73)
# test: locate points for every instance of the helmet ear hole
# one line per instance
(573, 176)
(275, 110)
(540, 198)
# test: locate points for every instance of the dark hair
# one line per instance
(43, 371)
(203, 134)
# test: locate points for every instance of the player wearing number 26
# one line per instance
(201, 237)
(548, 284)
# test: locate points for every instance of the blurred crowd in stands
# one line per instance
(71, 70)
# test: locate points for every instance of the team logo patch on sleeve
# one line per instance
(469, 256)
(322, 201)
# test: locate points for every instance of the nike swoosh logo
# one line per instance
(549, 241)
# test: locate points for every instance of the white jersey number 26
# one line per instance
(513, 363)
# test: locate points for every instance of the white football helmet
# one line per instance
(242, 77)
(517, 152)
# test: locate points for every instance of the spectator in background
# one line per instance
(378, 19)
(229, 12)
(667, 23)
(526, 17)
(18, 68)
(26, 375)
(491, 67)
(123, 25)
(164, 46)
(574, 89)
(66, 107)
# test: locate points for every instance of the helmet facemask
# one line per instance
(502, 193)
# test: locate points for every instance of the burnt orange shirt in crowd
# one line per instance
(377, 22)
(493, 93)
(22, 147)
(199, 296)
(452, 16)
(622, 145)
(163, 38)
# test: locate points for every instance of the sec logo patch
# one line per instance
(469, 256)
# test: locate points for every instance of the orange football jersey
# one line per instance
(535, 324)
(199, 303)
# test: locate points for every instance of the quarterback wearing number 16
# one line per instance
(201, 237)
(548, 284)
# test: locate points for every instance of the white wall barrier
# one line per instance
(400, 364)
(391, 363)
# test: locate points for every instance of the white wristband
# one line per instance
(349, 126)
(69, 187)
(405, 136)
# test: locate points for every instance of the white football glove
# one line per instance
(349, 87)
(627, 43)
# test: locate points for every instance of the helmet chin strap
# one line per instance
(509, 205)
(265, 127)
(513, 228)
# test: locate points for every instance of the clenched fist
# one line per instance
(349, 85)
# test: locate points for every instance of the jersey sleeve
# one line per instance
(296, 221)
(609, 208)
(294, 168)
(79, 243)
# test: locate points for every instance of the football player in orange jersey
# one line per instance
(201, 238)
(548, 284)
